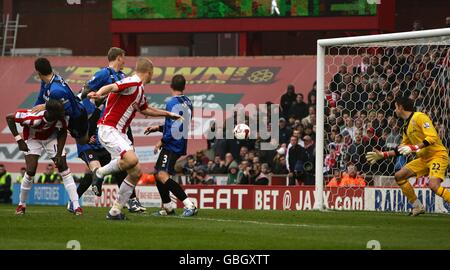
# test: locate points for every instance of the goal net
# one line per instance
(358, 78)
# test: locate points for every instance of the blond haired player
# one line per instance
(420, 137)
(125, 98)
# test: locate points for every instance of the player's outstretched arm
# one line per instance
(150, 111)
(10, 119)
(375, 155)
(104, 91)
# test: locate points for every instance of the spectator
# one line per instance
(336, 180)
(232, 175)
(294, 163)
(352, 179)
(262, 174)
(299, 108)
(218, 166)
(287, 100)
(5, 185)
(50, 176)
(229, 161)
(307, 120)
(308, 160)
(201, 159)
(189, 167)
(279, 165)
(200, 177)
(243, 152)
(349, 127)
(243, 169)
(371, 140)
(356, 153)
(285, 132)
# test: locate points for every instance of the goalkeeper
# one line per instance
(420, 137)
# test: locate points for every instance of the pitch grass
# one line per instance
(51, 227)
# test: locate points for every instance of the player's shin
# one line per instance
(408, 190)
(165, 195)
(125, 191)
(25, 187)
(178, 191)
(71, 188)
(444, 193)
(110, 168)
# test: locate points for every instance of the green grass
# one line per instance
(49, 227)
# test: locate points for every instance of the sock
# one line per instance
(84, 184)
(71, 188)
(444, 193)
(126, 188)
(417, 203)
(25, 187)
(163, 192)
(168, 206)
(408, 190)
(178, 192)
(110, 168)
(120, 176)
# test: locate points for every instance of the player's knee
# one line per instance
(434, 184)
(31, 173)
(130, 160)
(162, 177)
(398, 176)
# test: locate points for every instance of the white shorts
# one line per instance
(114, 141)
(50, 146)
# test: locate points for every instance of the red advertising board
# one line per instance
(272, 197)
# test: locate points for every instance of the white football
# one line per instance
(241, 131)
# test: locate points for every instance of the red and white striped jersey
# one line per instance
(121, 107)
(35, 126)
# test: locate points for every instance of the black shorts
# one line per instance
(100, 155)
(79, 127)
(166, 161)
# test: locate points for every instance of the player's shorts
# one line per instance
(50, 146)
(114, 141)
(101, 155)
(166, 161)
(79, 127)
(434, 167)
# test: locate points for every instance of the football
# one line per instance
(241, 131)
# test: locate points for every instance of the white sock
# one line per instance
(168, 207)
(71, 188)
(417, 203)
(125, 191)
(25, 187)
(188, 203)
(110, 168)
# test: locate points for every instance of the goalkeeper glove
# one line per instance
(373, 157)
(408, 149)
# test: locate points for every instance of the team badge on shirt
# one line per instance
(426, 125)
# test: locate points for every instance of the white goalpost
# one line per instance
(357, 79)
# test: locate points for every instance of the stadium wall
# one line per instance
(298, 198)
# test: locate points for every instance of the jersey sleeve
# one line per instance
(143, 103)
(25, 118)
(425, 124)
(99, 79)
(126, 86)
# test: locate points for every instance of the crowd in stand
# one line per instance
(359, 116)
